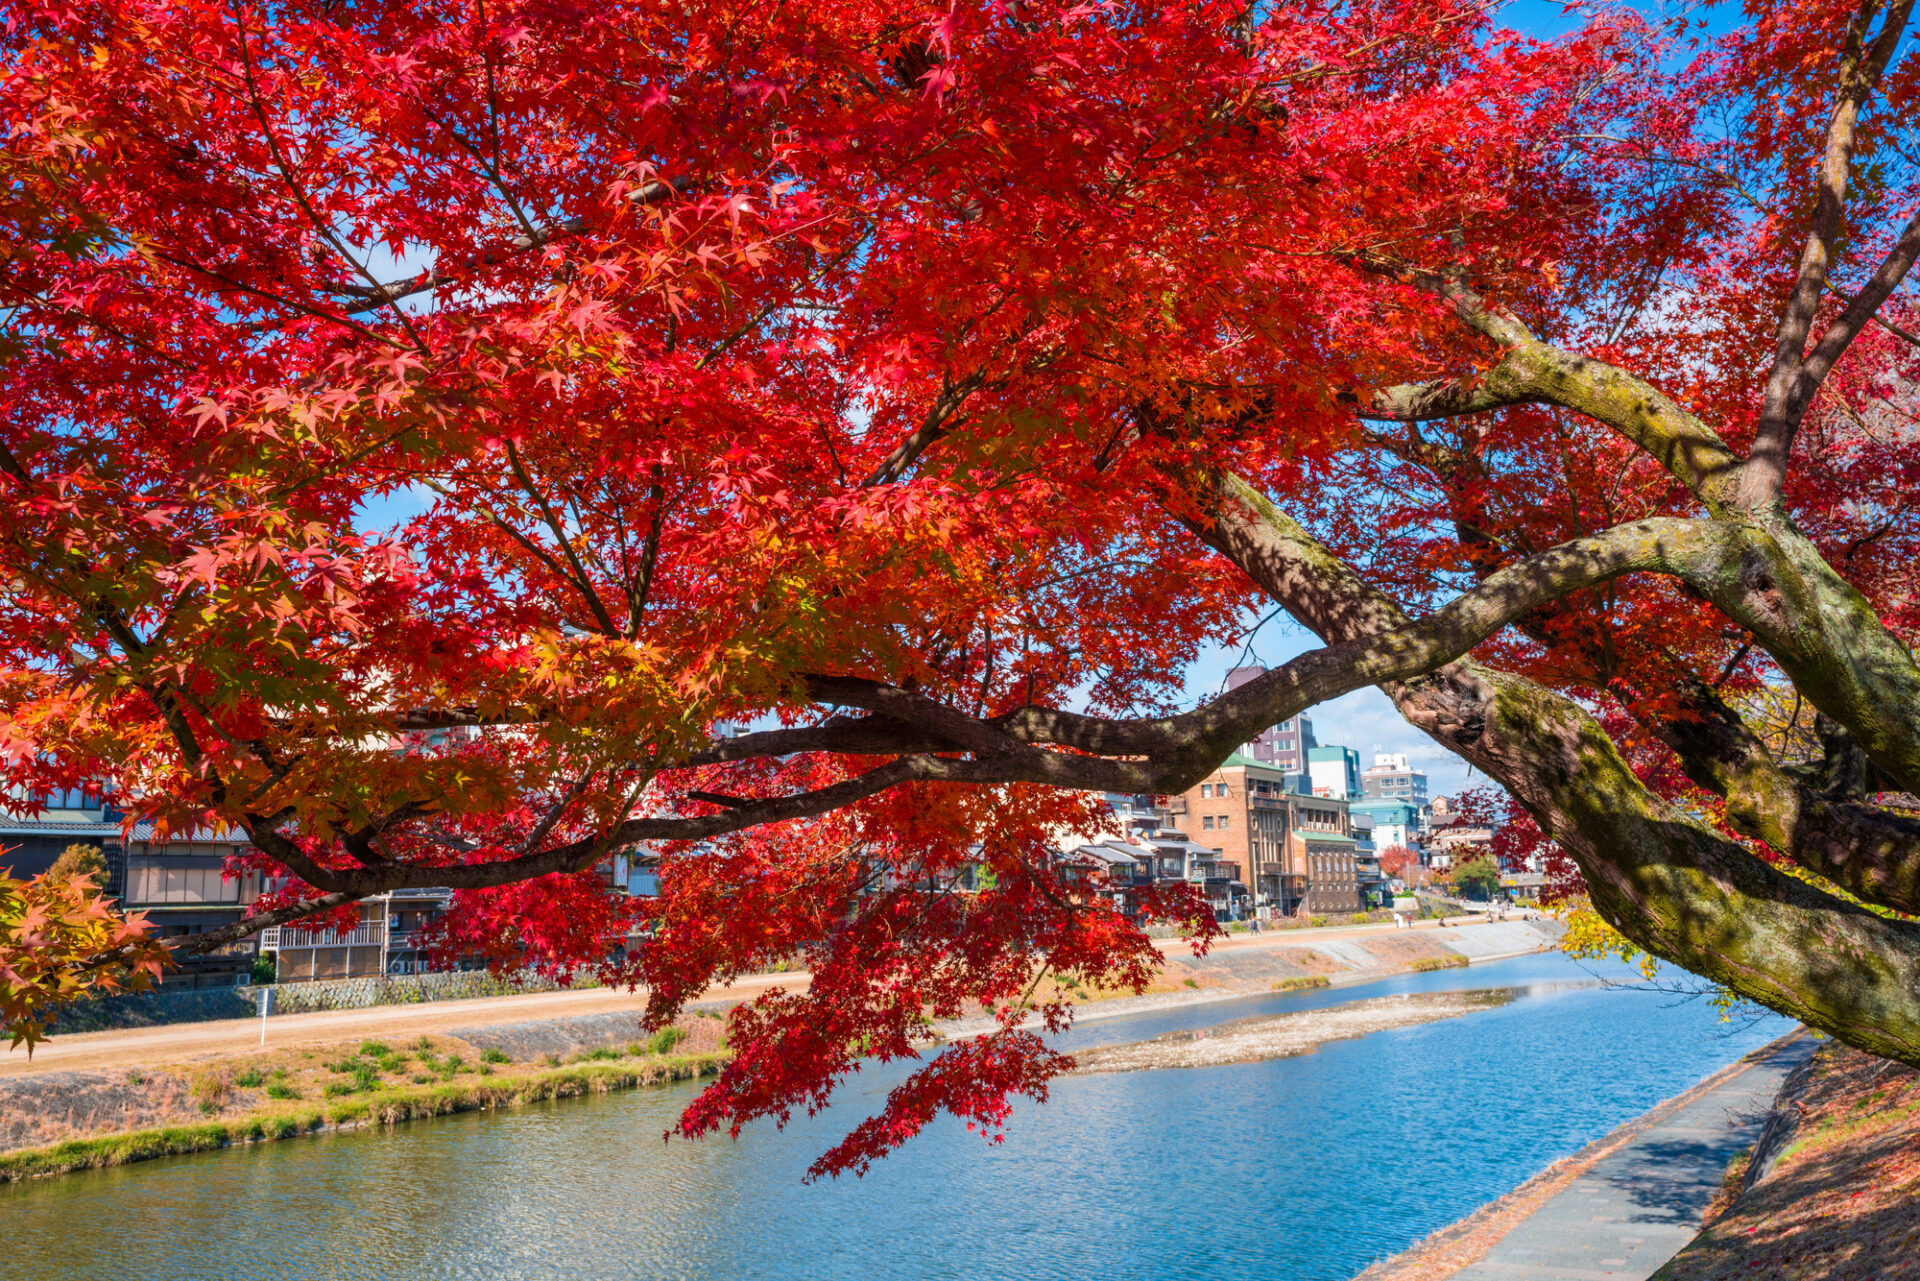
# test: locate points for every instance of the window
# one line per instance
(1206, 824)
(176, 880)
(1206, 790)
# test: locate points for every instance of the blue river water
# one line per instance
(1301, 1169)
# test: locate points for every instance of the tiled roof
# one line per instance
(34, 827)
(1105, 854)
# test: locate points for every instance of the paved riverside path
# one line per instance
(1635, 1208)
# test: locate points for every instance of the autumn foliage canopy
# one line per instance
(427, 430)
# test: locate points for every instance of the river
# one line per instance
(1299, 1169)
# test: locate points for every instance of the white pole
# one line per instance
(266, 1004)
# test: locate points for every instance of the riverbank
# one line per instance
(1241, 965)
(106, 1098)
(1282, 1036)
(1831, 1190)
(1624, 1204)
(61, 1122)
(1258, 965)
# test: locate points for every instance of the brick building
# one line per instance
(1298, 851)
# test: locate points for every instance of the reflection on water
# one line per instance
(1301, 1168)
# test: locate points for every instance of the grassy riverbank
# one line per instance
(59, 1122)
(388, 1106)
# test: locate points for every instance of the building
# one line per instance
(1335, 772)
(1392, 822)
(1455, 840)
(1240, 812)
(180, 881)
(1375, 886)
(1323, 848)
(1284, 746)
(1297, 850)
(1391, 778)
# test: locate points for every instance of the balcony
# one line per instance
(368, 934)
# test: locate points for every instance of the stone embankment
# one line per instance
(1622, 1206)
(1250, 964)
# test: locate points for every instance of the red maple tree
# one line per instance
(1399, 861)
(423, 425)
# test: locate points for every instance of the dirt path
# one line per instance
(171, 1043)
(1305, 937)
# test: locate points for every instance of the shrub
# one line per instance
(1361, 918)
(663, 1041)
(249, 1079)
(1302, 983)
(423, 1078)
(335, 1089)
(424, 1043)
(552, 1060)
(1428, 963)
(209, 1090)
(134, 1078)
(80, 860)
(1319, 922)
(601, 1054)
(392, 1062)
(493, 1056)
(374, 1049)
(1189, 983)
(451, 1064)
(281, 1090)
(262, 971)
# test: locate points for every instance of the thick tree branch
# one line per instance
(939, 421)
(1872, 853)
(1669, 884)
(217, 938)
(1532, 372)
(1792, 380)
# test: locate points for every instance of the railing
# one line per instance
(368, 934)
